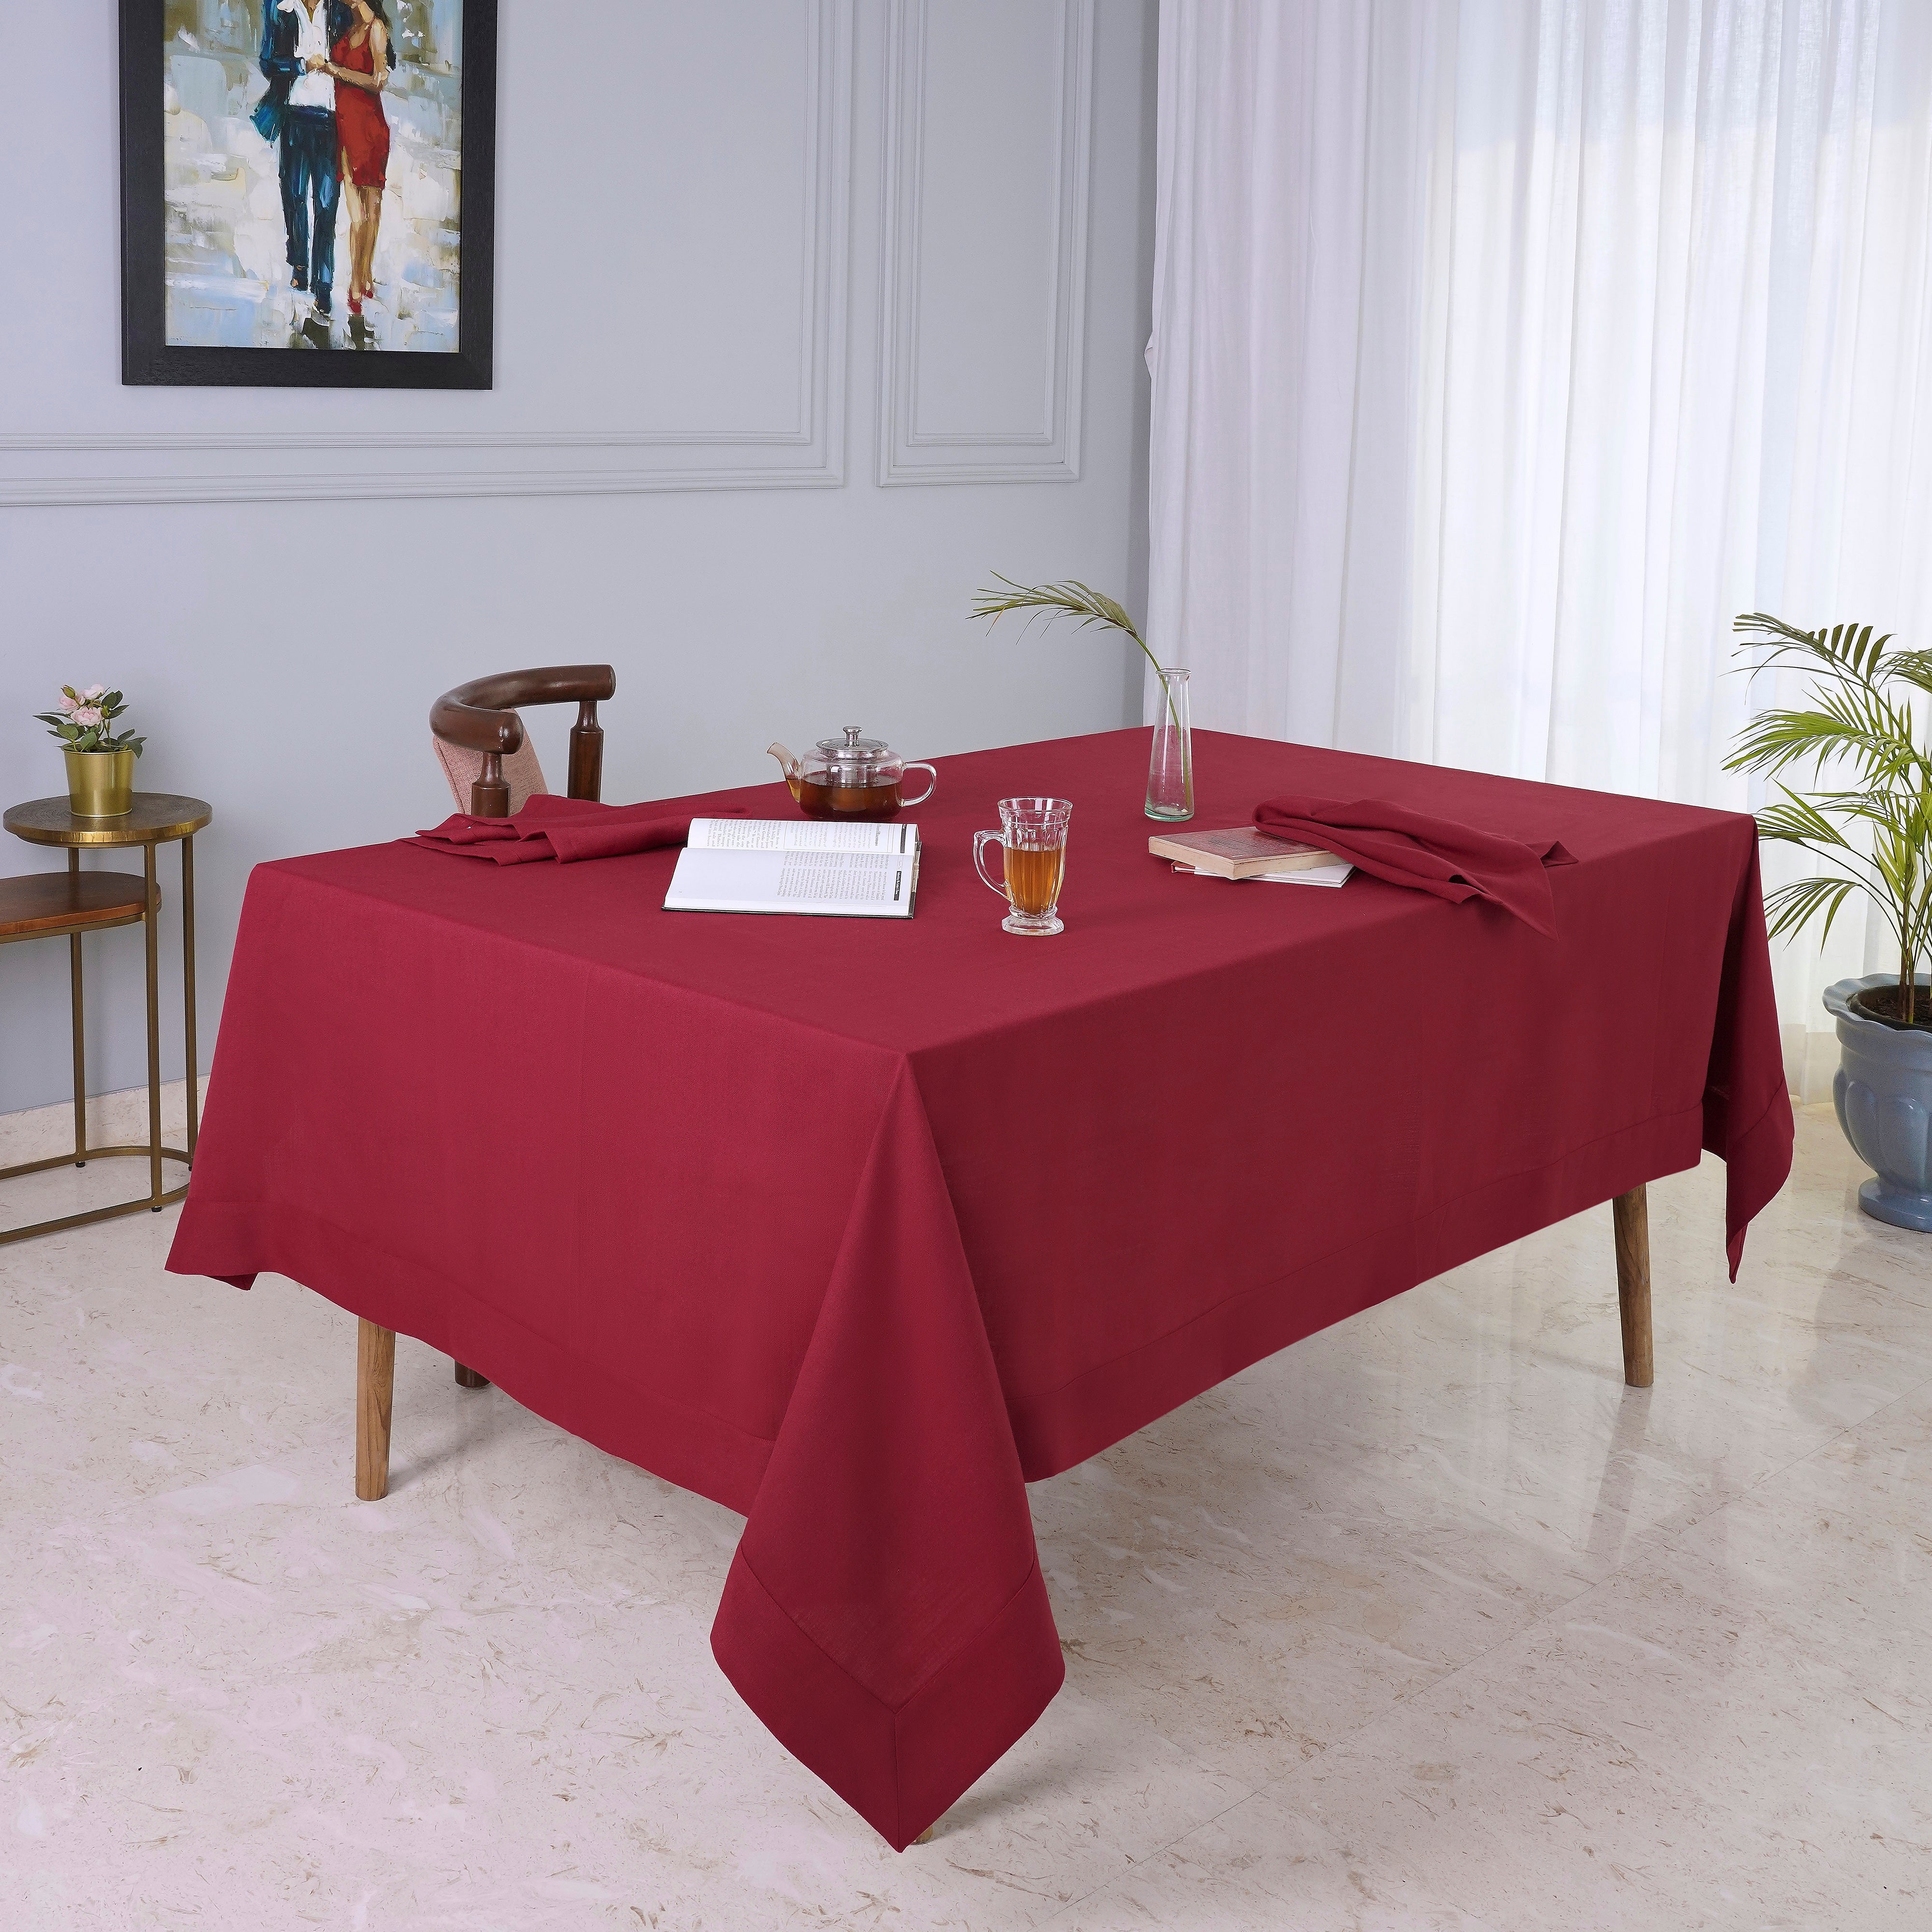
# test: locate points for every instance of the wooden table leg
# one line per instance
(1631, 1214)
(375, 1390)
(467, 1378)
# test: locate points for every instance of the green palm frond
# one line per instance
(1081, 601)
(1852, 723)
(1790, 906)
(1873, 801)
(1845, 650)
(1914, 668)
(1797, 821)
(1072, 599)
(1052, 601)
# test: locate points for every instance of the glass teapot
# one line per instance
(851, 777)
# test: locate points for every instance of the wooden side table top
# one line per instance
(157, 817)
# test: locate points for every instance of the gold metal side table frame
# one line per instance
(157, 819)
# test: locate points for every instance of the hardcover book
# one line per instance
(1239, 852)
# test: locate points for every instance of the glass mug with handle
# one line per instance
(1033, 835)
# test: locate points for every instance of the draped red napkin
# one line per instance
(1442, 856)
(562, 829)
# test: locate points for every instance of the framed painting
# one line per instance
(308, 192)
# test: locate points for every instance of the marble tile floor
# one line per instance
(1426, 1622)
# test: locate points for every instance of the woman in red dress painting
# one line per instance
(360, 63)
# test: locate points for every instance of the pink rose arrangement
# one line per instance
(84, 721)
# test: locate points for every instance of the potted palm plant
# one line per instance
(1872, 836)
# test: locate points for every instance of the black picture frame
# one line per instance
(146, 355)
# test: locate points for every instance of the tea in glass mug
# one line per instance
(1032, 837)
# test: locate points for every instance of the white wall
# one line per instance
(725, 234)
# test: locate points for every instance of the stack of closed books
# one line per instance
(1241, 852)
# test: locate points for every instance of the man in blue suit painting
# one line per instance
(299, 109)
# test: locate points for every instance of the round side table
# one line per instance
(44, 905)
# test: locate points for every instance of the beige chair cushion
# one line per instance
(521, 772)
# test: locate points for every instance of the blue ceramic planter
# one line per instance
(1883, 1093)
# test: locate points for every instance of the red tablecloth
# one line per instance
(856, 1226)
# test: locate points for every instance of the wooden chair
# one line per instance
(479, 741)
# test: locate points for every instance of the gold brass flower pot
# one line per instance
(101, 784)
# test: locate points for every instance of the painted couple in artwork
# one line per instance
(327, 62)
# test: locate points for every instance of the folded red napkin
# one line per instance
(562, 829)
(1441, 856)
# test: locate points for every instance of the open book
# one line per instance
(788, 865)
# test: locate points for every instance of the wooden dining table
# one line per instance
(857, 1227)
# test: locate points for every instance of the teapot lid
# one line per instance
(859, 760)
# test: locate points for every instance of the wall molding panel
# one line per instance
(40, 469)
(1035, 443)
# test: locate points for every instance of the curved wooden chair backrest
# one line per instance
(480, 716)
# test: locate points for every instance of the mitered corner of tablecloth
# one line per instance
(899, 1768)
(885, 1614)
(203, 1245)
(979, 1703)
(1757, 1164)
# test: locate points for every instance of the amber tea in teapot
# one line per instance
(818, 800)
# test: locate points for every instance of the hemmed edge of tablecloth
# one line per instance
(1056, 1429)
(961, 1718)
(617, 1416)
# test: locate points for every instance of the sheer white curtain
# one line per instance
(1505, 350)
